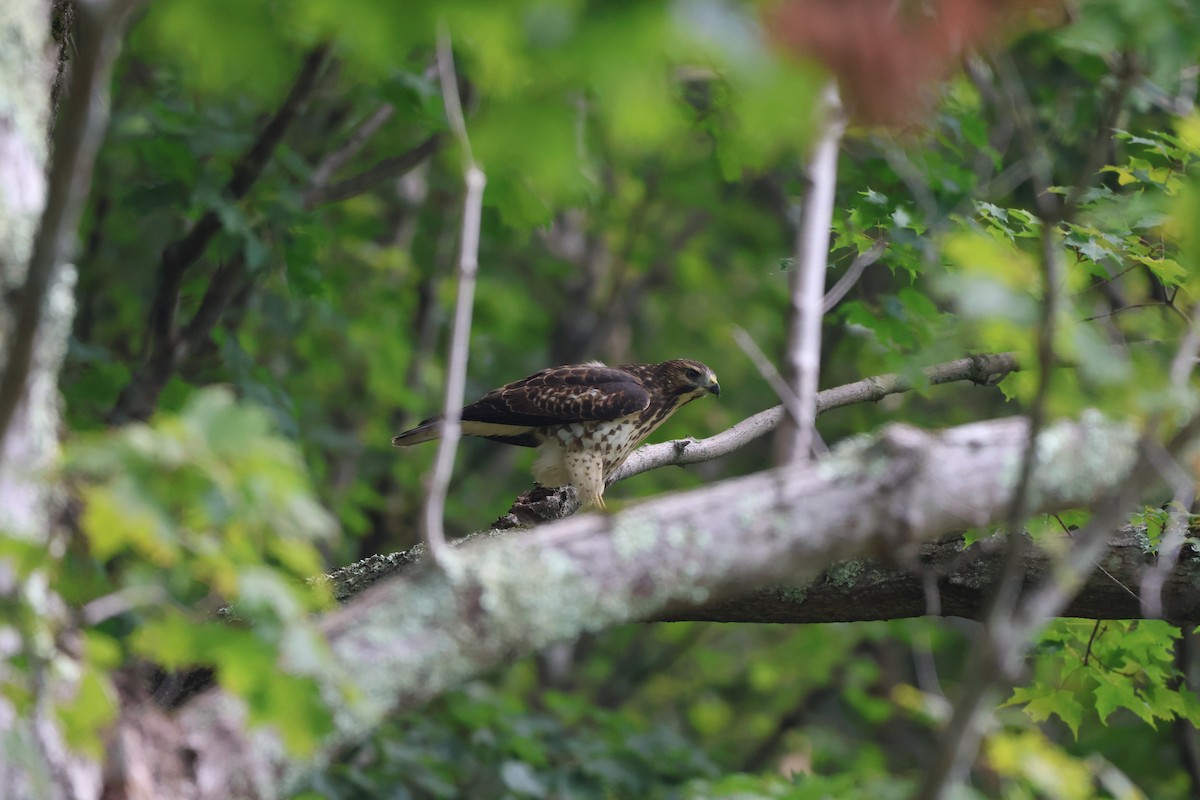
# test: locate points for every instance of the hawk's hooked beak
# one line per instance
(715, 388)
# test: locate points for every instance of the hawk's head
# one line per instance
(687, 379)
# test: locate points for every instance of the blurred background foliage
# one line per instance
(644, 165)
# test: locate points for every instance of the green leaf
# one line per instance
(85, 715)
(1111, 695)
(1040, 702)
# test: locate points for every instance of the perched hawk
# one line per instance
(585, 419)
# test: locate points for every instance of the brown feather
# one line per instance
(585, 419)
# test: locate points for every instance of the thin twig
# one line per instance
(1047, 361)
(1184, 362)
(1169, 548)
(1130, 307)
(1175, 532)
(768, 372)
(1070, 534)
(802, 360)
(220, 291)
(433, 512)
(385, 169)
(123, 600)
(1106, 281)
(335, 159)
(857, 267)
(991, 657)
(99, 26)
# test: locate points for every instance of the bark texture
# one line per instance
(408, 638)
(864, 589)
(34, 762)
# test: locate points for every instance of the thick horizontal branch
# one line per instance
(865, 589)
(410, 638)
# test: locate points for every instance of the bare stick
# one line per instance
(767, 370)
(433, 513)
(992, 651)
(802, 363)
(99, 26)
(996, 652)
(385, 169)
(334, 160)
(1180, 480)
(857, 267)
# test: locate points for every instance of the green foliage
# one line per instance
(812, 787)
(1034, 762)
(480, 743)
(89, 713)
(643, 174)
(202, 495)
(198, 510)
(1108, 667)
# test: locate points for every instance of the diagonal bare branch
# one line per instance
(334, 160)
(985, 370)
(386, 169)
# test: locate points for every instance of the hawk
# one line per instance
(584, 419)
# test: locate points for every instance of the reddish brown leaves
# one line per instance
(888, 54)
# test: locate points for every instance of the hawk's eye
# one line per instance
(692, 374)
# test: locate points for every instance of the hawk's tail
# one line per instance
(427, 431)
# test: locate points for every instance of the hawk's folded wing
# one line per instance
(561, 395)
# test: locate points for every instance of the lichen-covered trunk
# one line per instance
(33, 760)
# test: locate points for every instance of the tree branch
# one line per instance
(802, 358)
(408, 639)
(40, 207)
(99, 26)
(334, 160)
(450, 427)
(386, 169)
(857, 267)
(985, 370)
(867, 589)
(140, 395)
